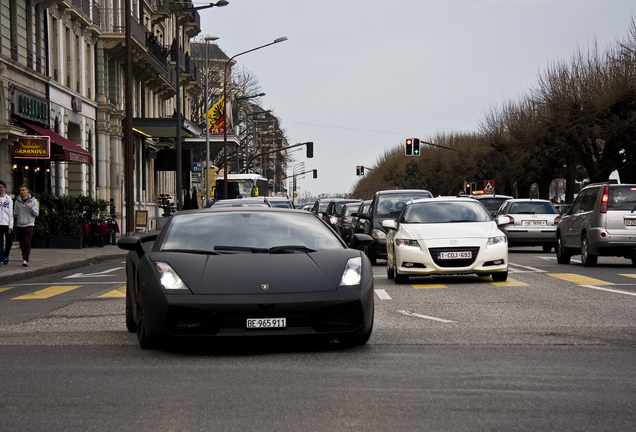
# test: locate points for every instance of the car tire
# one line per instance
(143, 337)
(587, 259)
(360, 339)
(563, 257)
(131, 325)
(369, 254)
(500, 276)
(634, 261)
(397, 277)
(390, 272)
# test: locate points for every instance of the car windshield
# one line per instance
(322, 206)
(351, 208)
(394, 203)
(492, 204)
(532, 208)
(445, 212)
(622, 198)
(255, 231)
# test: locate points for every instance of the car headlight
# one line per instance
(169, 278)
(379, 234)
(493, 241)
(352, 274)
(333, 220)
(407, 244)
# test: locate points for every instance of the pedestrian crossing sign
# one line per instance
(489, 187)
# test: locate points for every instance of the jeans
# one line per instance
(24, 235)
(5, 248)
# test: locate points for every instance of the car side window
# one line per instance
(590, 199)
(578, 203)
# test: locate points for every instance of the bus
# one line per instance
(241, 186)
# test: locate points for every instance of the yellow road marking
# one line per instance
(48, 292)
(5, 289)
(629, 275)
(578, 279)
(510, 282)
(420, 286)
(119, 292)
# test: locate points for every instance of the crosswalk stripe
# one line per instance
(510, 282)
(119, 292)
(431, 285)
(48, 292)
(578, 279)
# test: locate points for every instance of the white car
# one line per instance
(446, 235)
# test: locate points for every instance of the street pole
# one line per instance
(207, 126)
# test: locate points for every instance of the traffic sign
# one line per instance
(489, 186)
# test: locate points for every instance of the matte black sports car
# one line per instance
(248, 271)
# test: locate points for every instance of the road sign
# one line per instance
(489, 186)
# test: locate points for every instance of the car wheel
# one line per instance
(131, 325)
(587, 259)
(563, 257)
(634, 261)
(360, 339)
(369, 254)
(145, 340)
(500, 276)
(547, 248)
(399, 278)
(389, 271)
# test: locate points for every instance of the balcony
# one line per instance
(160, 10)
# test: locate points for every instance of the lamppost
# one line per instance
(207, 126)
(177, 49)
(238, 112)
(227, 64)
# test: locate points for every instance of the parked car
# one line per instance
(601, 222)
(247, 272)
(358, 224)
(386, 204)
(331, 214)
(445, 235)
(533, 222)
(343, 225)
(492, 202)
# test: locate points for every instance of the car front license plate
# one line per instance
(533, 223)
(266, 323)
(454, 255)
(630, 222)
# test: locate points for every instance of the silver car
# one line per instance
(533, 222)
(601, 222)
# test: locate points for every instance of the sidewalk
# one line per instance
(48, 261)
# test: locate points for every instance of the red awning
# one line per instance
(72, 152)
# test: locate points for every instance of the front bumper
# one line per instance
(422, 262)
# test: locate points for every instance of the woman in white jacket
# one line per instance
(26, 210)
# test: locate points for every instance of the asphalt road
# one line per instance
(552, 348)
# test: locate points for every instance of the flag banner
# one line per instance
(217, 119)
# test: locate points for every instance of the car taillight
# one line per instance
(557, 219)
(605, 199)
(512, 220)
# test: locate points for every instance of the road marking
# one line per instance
(631, 275)
(528, 269)
(510, 282)
(5, 289)
(413, 314)
(431, 285)
(578, 279)
(119, 292)
(48, 292)
(382, 295)
(90, 275)
(610, 290)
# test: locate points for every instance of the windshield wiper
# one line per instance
(290, 249)
(194, 251)
(241, 249)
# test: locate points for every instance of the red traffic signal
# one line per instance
(408, 150)
(358, 170)
(469, 190)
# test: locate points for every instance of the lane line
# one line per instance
(578, 279)
(382, 295)
(413, 314)
(528, 269)
(48, 292)
(610, 290)
(431, 285)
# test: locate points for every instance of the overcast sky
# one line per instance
(358, 77)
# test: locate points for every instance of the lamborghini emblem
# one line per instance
(265, 286)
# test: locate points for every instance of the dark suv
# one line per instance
(333, 210)
(601, 222)
(385, 205)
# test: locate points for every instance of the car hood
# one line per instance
(467, 230)
(259, 273)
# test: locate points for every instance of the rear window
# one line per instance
(622, 198)
(532, 208)
(394, 203)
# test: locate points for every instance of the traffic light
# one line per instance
(358, 170)
(469, 189)
(310, 149)
(315, 173)
(361, 170)
(416, 146)
(408, 150)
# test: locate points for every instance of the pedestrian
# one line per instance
(6, 224)
(26, 210)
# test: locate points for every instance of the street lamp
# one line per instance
(227, 64)
(207, 126)
(219, 3)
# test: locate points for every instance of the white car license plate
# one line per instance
(533, 223)
(454, 255)
(630, 222)
(266, 323)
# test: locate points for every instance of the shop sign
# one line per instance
(28, 106)
(32, 147)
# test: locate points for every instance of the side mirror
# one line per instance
(363, 216)
(360, 240)
(503, 220)
(389, 223)
(135, 244)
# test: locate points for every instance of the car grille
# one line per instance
(454, 262)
